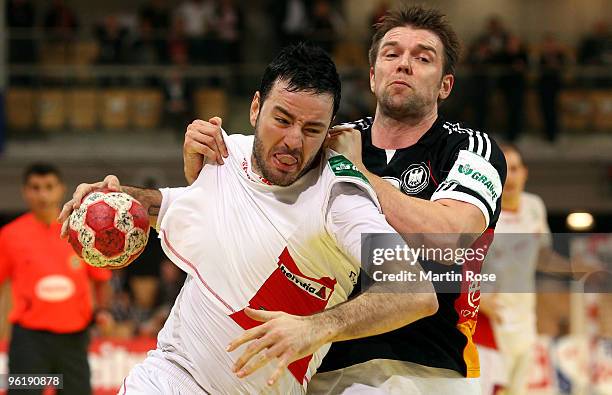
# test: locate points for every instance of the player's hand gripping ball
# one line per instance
(109, 229)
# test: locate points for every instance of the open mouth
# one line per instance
(285, 162)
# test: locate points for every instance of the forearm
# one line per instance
(383, 307)
(151, 200)
(411, 215)
(373, 313)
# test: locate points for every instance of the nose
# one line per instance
(293, 138)
(405, 64)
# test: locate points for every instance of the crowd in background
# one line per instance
(213, 33)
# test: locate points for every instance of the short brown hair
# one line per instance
(419, 18)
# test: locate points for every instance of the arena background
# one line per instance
(101, 87)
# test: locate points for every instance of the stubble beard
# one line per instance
(411, 107)
(285, 179)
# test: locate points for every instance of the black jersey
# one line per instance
(449, 161)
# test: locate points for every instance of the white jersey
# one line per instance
(513, 256)
(247, 243)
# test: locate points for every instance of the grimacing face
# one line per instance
(407, 78)
(43, 193)
(290, 129)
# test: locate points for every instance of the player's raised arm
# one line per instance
(462, 205)
(151, 199)
(203, 145)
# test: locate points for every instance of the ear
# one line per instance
(372, 79)
(255, 107)
(446, 86)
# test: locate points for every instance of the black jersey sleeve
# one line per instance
(475, 170)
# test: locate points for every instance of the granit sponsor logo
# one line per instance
(478, 176)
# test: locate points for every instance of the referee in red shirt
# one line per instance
(51, 288)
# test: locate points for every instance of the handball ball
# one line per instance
(109, 229)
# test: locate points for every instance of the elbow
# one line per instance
(453, 239)
(429, 304)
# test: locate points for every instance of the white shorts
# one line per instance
(155, 376)
(493, 372)
(387, 377)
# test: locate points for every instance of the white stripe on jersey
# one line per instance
(479, 142)
(487, 155)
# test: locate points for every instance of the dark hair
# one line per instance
(304, 67)
(511, 147)
(41, 169)
(419, 18)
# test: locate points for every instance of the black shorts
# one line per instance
(42, 352)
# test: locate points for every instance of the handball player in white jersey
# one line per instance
(269, 241)
(506, 331)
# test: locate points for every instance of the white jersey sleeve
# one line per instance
(351, 213)
(168, 196)
(546, 239)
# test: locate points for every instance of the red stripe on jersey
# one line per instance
(483, 335)
(289, 290)
(468, 302)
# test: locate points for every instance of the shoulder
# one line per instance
(459, 137)
(19, 223)
(461, 141)
(17, 227)
(239, 138)
(240, 142)
(339, 167)
(533, 201)
(338, 170)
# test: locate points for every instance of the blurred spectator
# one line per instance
(112, 44)
(19, 14)
(178, 95)
(552, 59)
(20, 20)
(495, 37)
(596, 48)
(485, 58)
(60, 22)
(170, 285)
(481, 85)
(291, 20)
(112, 40)
(177, 88)
(171, 282)
(196, 15)
(327, 25)
(228, 27)
(146, 49)
(513, 84)
(157, 14)
(177, 44)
